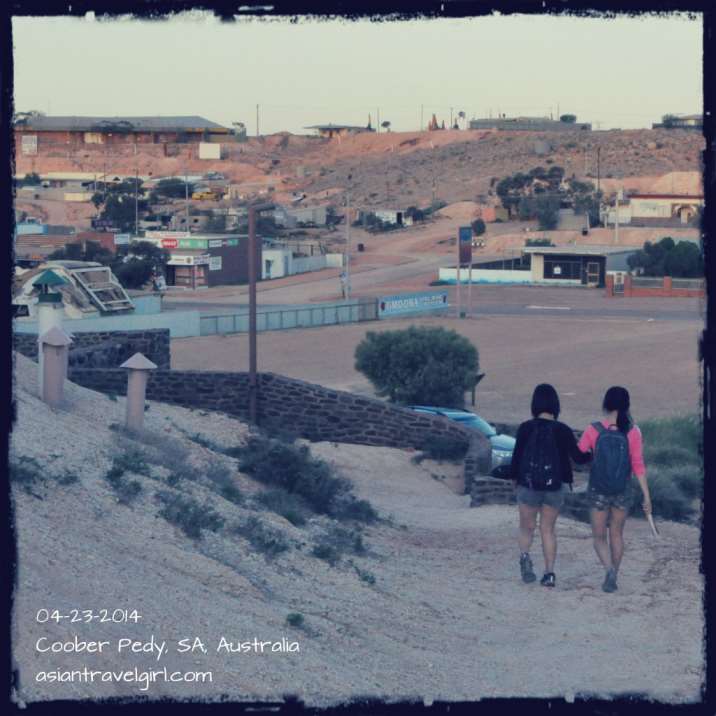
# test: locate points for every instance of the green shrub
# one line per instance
(365, 576)
(125, 490)
(336, 542)
(284, 503)
(295, 620)
(419, 365)
(672, 453)
(262, 537)
(293, 469)
(134, 460)
(187, 514)
(223, 482)
(27, 473)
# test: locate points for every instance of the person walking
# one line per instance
(540, 470)
(616, 444)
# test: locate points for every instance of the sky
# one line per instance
(621, 73)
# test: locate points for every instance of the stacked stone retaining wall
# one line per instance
(305, 409)
(103, 348)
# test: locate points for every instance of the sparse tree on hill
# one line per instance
(478, 227)
(385, 125)
(568, 118)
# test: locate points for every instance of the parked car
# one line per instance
(502, 445)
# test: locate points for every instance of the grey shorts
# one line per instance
(620, 501)
(537, 498)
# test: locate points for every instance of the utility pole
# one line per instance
(616, 217)
(348, 241)
(257, 120)
(451, 109)
(136, 201)
(377, 114)
(599, 168)
(186, 198)
(254, 260)
(422, 126)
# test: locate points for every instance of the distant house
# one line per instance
(329, 131)
(656, 210)
(394, 217)
(684, 121)
(528, 124)
(35, 132)
(291, 217)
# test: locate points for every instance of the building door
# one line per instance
(592, 273)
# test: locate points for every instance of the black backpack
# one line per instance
(611, 466)
(540, 462)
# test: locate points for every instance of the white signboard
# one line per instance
(184, 260)
(209, 151)
(215, 263)
(166, 234)
(215, 243)
(29, 144)
(121, 239)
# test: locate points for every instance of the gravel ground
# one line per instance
(446, 618)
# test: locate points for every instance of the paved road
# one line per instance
(655, 312)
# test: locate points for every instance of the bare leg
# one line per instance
(616, 536)
(528, 522)
(547, 520)
(599, 533)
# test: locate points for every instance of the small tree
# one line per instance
(385, 125)
(478, 227)
(31, 179)
(547, 212)
(419, 365)
(568, 118)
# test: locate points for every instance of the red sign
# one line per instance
(170, 243)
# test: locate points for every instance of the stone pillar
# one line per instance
(668, 285)
(139, 368)
(54, 347)
(627, 286)
(49, 316)
(609, 286)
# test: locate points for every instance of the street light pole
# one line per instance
(348, 241)
(254, 258)
(136, 201)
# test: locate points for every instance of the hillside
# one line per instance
(432, 608)
(398, 169)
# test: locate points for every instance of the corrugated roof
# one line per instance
(96, 124)
(593, 250)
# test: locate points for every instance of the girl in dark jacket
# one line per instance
(540, 470)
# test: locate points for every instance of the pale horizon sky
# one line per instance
(622, 73)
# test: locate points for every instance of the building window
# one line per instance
(567, 269)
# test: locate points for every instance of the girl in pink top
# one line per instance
(610, 504)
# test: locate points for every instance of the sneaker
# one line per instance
(549, 580)
(528, 573)
(610, 581)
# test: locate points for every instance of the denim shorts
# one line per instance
(620, 501)
(537, 498)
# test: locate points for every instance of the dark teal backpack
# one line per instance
(611, 466)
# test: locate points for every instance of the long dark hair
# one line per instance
(545, 400)
(617, 398)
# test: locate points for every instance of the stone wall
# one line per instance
(106, 348)
(308, 410)
(477, 461)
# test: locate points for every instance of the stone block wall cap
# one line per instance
(138, 362)
(55, 337)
